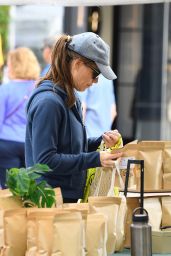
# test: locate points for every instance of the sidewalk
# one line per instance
(127, 252)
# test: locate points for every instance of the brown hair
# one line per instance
(23, 64)
(60, 70)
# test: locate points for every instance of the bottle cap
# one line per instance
(140, 217)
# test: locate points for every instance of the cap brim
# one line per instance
(106, 71)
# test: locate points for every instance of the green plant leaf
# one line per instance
(23, 182)
(11, 180)
(49, 199)
(18, 181)
(39, 168)
(44, 195)
(34, 176)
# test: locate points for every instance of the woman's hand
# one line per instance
(108, 159)
(111, 138)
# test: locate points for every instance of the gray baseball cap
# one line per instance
(91, 46)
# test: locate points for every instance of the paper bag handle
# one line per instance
(114, 171)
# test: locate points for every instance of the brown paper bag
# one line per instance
(96, 235)
(130, 152)
(83, 208)
(166, 211)
(113, 192)
(151, 200)
(153, 207)
(166, 148)
(68, 235)
(120, 226)
(10, 202)
(110, 207)
(7, 202)
(77, 206)
(5, 192)
(132, 203)
(31, 236)
(167, 157)
(2, 242)
(167, 181)
(40, 230)
(45, 234)
(58, 197)
(84, 212)
(15, 230)
(95, 229)
(152, 154)
(161, 242)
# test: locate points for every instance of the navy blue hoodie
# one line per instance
(56, 136)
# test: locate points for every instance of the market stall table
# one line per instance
(127, 252)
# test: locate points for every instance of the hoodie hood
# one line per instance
(46, 85)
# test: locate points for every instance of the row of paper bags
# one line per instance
(157, 164)
(102, 226)
(96, 228)
(157, 169)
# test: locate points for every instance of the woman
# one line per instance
(23, 70)
(55, 133)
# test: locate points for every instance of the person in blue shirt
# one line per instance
(99, 107)
(23, 70)
(55, 133)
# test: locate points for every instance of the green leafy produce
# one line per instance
(26, 183)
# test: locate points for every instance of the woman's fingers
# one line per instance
(107, 159)
(111, 138)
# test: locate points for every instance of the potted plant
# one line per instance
(26, 183)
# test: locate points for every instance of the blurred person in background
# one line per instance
(55, 133)
(1, 59)
(46, 53)
(99, 107)
(135, 104)
(23, 70)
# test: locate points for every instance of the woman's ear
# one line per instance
(75, 68)
(76, 63)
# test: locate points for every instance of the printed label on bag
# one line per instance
(124, 161)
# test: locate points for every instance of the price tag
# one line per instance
(124, 161)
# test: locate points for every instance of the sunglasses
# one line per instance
(95, 73)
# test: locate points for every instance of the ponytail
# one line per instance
(60, 70)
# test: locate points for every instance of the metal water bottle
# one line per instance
(141, 236)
